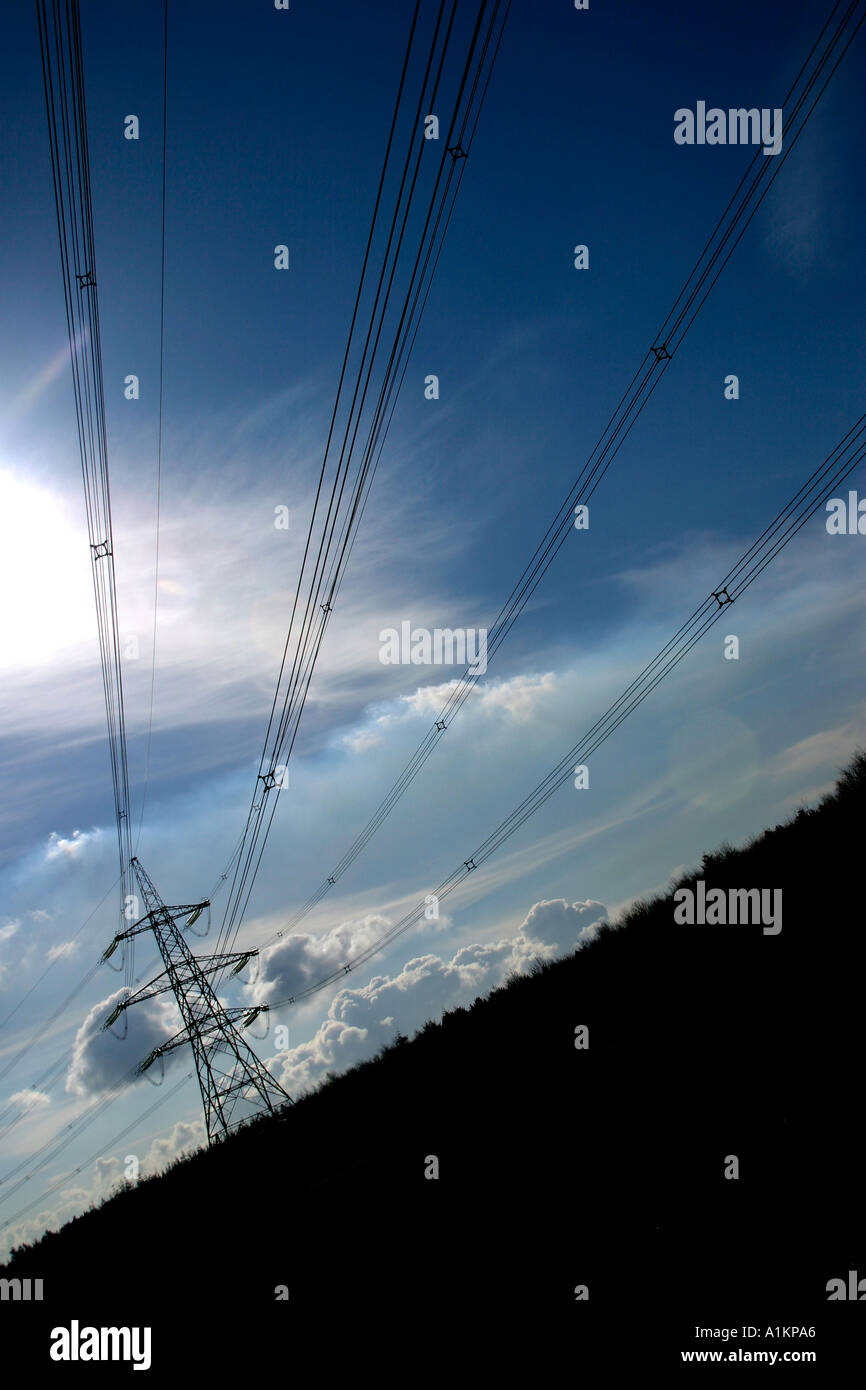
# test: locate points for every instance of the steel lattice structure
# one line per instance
(233, 1082)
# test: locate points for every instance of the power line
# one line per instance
(474, 861)
(720, 245)
(310, 531)
(234, 910)
(63, 82)
(325, 582)
(51, 964)
(405, 325)
(54, 1145)
(39, 1032)
(98, 1153)
(54, 1071)
(843, 459)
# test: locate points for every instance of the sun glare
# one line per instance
(44, 570)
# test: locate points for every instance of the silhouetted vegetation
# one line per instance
(558, 1166)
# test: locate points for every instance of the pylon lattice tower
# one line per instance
(233, 1082)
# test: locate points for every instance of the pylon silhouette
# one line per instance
(233, 1082)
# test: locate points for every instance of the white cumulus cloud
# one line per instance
(300, 959)
(361, 1020)
(100, 1059)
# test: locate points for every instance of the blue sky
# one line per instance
(276, 130)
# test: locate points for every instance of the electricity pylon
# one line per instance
(230, 1076)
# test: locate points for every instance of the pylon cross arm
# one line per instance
(233, 960)
(177, 1041)
(143, 924)
(186, 909)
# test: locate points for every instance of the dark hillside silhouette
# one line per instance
(559, 1167)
